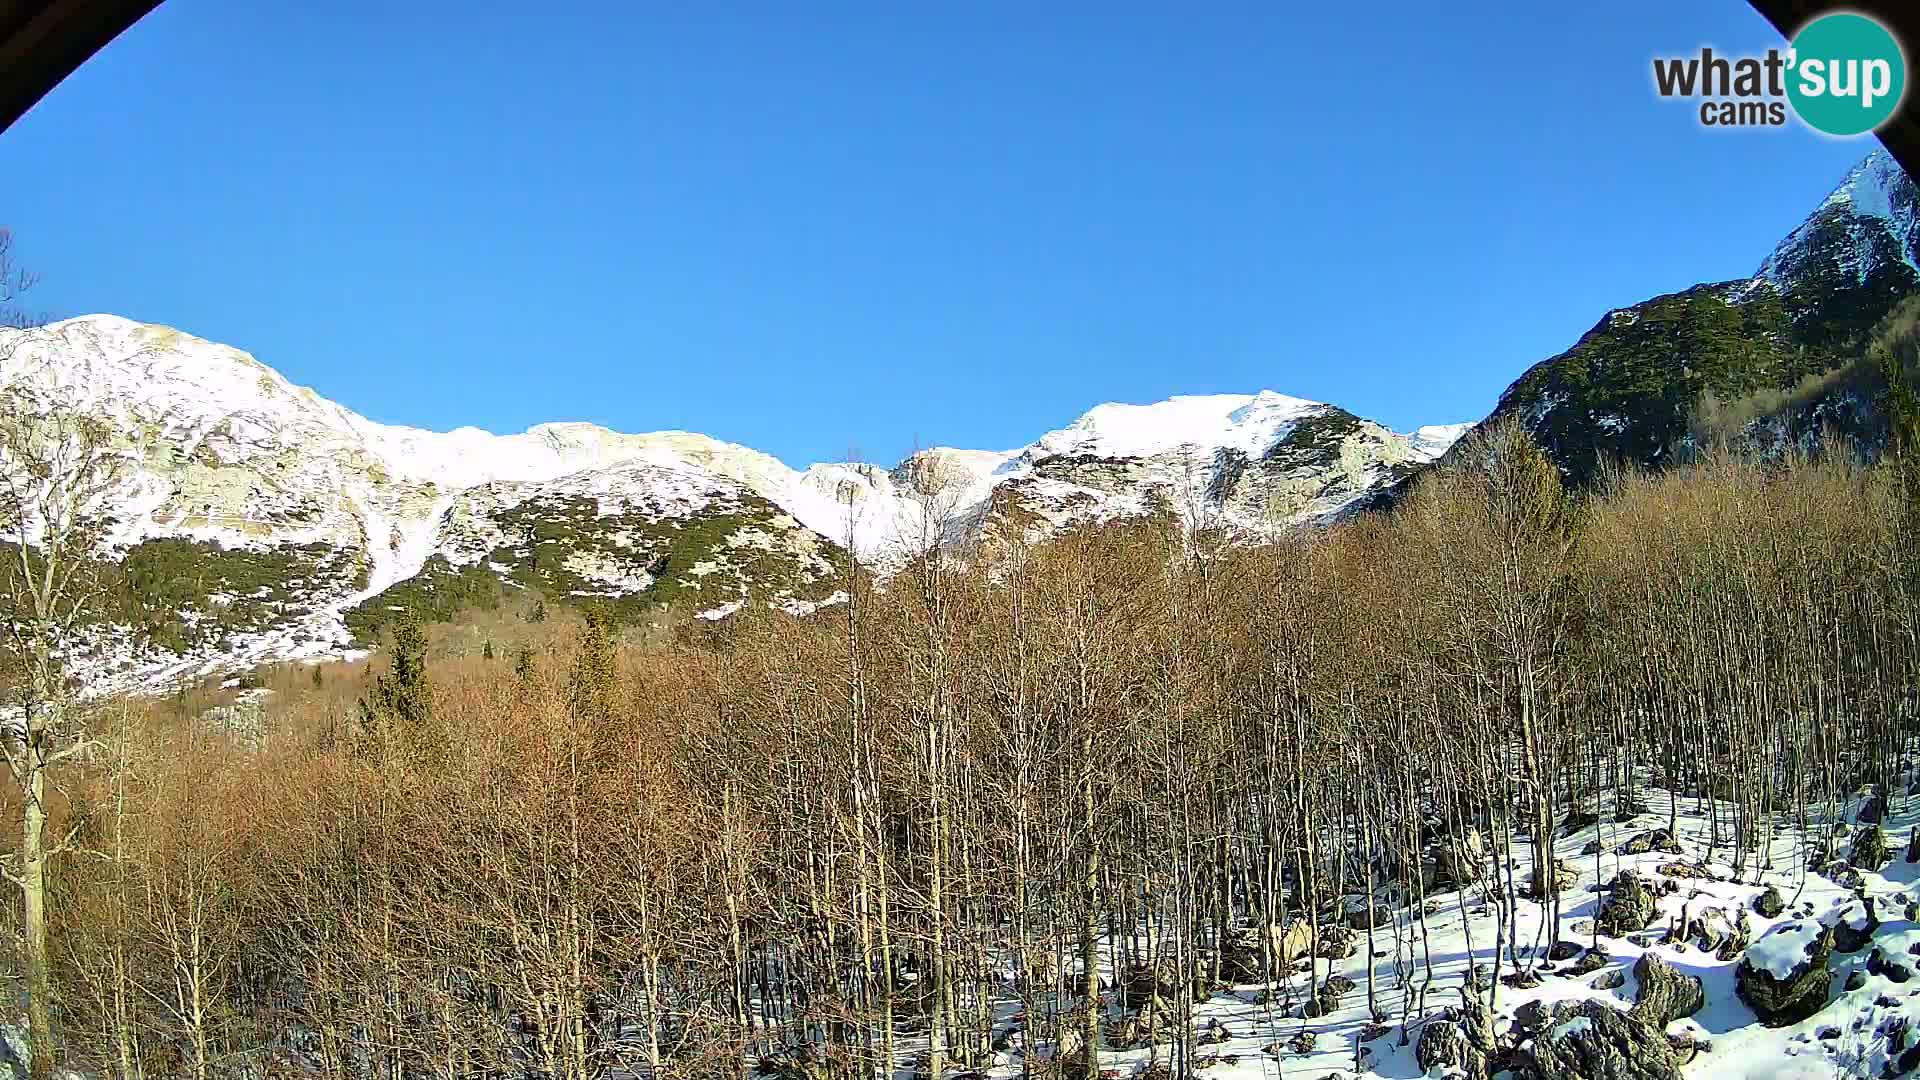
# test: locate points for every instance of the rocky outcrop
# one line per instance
(1651, 840)
(1665, 994)
(1783, 977)
(1628, 907)
(1869, 849)
(1446, 1048)
(1591, 1040)
(1327, 998)
(1853, 923)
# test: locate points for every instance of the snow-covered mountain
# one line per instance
(1774, 351)
(1869, 224)
(305, 525)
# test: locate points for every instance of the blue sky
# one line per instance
(830, 226)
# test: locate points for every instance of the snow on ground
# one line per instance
(1848, 1038)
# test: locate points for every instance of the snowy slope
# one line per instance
(1869, 222)
(234, 457)
(1871, 1002)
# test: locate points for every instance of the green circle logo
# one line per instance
(1847, 74)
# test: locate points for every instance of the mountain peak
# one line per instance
(1867, 224)
(1246, 422)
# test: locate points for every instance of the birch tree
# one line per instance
(58, 467)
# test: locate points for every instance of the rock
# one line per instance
(1853, 923)
(1783, 977)
(1361, 916)
(1709, 930)
(1628, 906)
(1337, 943)
(1564, 877)
(1590, 961)
(1651, 840)
(791, 1067)
(1770, 903)
(1460, 862)
(1531, 1017)
(1292, 942)
(1890, 962)
(1872, 812)
(1525, 979)
(1902, 1048)
(1590, 1040)
(1327, 998)
(1610, 979)
(1563, 950)
(1445, 1049)
(1302, 1043)
(1869, 847)
(1665, 994)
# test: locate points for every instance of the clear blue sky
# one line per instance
(826, 225)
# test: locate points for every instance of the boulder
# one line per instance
(1291, 942)
(1891, 959)
(1590, 961)
(1770, 903)
(1359, 915)
(1628, 906)
(1853, 921)
(1783, 976)
(1565, 877)
(1445, 1050)
(1590, 1040)
(1337, 943)
(1869, 848)
(1327, 998)
(1665, 994)
(1709, 930)
(1651, 840)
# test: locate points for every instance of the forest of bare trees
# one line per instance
(1090, 781)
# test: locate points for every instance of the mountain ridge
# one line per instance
(343, 520)
(265, 521)
(1636, 384)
